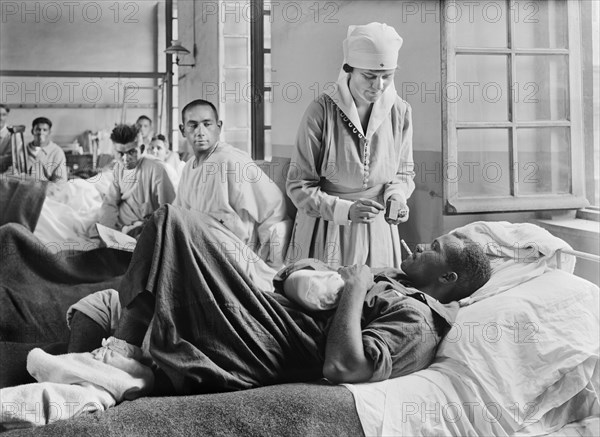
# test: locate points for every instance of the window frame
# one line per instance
(453, 204)
(257, 74)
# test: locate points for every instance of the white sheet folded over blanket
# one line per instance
(71, 384)
(42, 403)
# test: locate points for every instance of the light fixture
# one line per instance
(178, 50)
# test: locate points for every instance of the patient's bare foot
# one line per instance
(115, 345)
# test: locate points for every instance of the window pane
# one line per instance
(267, 31)
(236, 79)
(236, 114)
(481, 92)
(544, 160)
(478, 24)
(239, 139)
(268, 144)
(268, 69)
(596, 99)
(540, 24)
(235, 17)
(542, 87)
(236, 51)
(268, 110)
(483, 163)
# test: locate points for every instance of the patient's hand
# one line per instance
(128, 228)
(134, 229)
(357, 277)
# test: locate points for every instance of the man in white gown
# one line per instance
(225, 183)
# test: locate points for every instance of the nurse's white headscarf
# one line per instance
(372, 46)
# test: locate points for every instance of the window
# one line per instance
(244, 38)
(176, 139)
(513, 122)
(592, 38)
(234, 51)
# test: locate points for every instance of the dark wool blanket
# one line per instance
(21, 200)
(38, 284)
(212, 329)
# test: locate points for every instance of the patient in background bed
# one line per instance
(159, 148)
(140, 185)
(144, 136)
(46, 160)
(5, 152)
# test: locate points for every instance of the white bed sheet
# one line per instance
(588, 427)
(70, 211)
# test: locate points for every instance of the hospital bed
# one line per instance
(521, 359)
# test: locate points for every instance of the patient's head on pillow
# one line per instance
(451, 268)
(473, 267)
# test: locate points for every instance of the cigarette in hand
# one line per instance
(406, 247)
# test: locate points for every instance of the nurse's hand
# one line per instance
(396, 211)
(364, 211)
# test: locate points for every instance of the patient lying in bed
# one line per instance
(218, 332)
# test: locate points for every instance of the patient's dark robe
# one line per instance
(212, 330)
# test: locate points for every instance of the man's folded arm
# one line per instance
(345, 359)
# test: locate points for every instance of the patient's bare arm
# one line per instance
(345, 359)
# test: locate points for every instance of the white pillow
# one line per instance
(518, 252)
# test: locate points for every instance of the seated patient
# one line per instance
(5, 151)
(159, 148)
(225, 183)
(144, 135)
(46, 160)
(140, 186)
